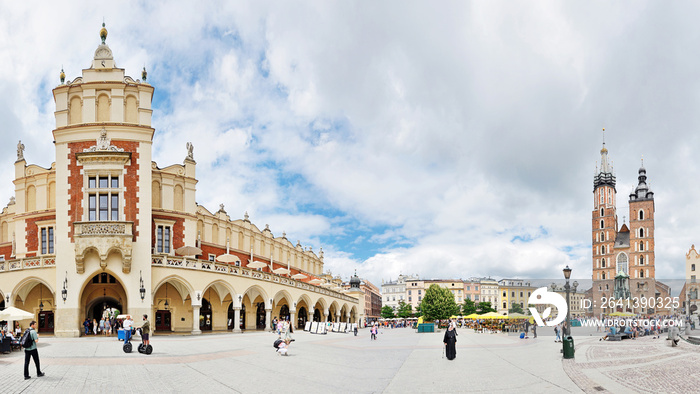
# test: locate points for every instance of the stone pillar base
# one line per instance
(237, 331)
(196, 332)
(66, 333)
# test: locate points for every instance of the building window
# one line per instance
(504, 305)
(163, 239)
(419, 298)
(602, 236)
(641, 273)
(641, 260)
(476, 297)
(641, 246)
(602, 224)
(641, 233)
(409, 299)
(602, 263)
(212, 257)
(641, 215)
(604, 276)
(47, 240)
(419, 293)
(521, 294)
(103, 198)
(467, 288)
(409, 292)
(504, 294)
(602, 212)
(602, 249)
(476, 288)
(692, 267)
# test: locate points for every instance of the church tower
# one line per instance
(604, 219)
(641, 261)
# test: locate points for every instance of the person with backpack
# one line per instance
(28, 342)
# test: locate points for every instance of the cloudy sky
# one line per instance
(445, 139)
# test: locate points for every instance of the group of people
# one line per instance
(282, 327)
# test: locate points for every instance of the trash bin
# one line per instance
(121, 334)
(568, 347)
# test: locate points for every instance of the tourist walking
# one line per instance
(102, 326)
(32, 352)
(449, 341)
(94, 326)
(534, 330)
(557, 334)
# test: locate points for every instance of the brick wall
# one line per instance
(129, 183)
(32, 234)
(178, 231)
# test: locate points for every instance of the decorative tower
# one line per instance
(604, 219)
(641, 252)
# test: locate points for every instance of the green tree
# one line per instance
(418, 312)
(485, 307)
(468, 307)
(438, 303)
(515, 308)
(387, 312)
(405, 310)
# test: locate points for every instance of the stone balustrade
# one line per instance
(28, 263)
(228, 269)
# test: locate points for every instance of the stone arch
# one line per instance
(76, 110)
(353, 314)
(222, 289)
(51, 195)
(131, 109)
(181, 285)
(25, 286)
(280, 299)
(254, 291)
(333, 310)
(304, 299)
(103, 107)
(112, 294)
(215, 234)
(155, 194)
(30, 201)
(178, 198)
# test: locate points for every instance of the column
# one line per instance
(325, 315)
(236, 319)
(337, 317)
(268, 321)
(292, 319)
(8, 303)
(311, 317)
(195, 320)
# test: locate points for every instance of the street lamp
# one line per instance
(567, 275)
(142, 289)
(64, 292)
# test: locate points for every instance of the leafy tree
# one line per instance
(515, 308)
(387, 312)
(438, 303)
(468, 307)
(419, 312)
(485, 307)
(405, 310)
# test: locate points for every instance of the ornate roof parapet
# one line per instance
(103, 144)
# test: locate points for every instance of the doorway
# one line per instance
(302, 315)
(163, 320)
(45, 323)
(260, 316)
(205, 316)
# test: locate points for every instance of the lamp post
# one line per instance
(567, 275)
(142, 289)
(64, 292)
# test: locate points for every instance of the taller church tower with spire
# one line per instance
(623, 263)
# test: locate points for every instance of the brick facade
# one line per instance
(32, 234)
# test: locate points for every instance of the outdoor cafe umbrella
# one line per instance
(298, 276)
(492, 315)
(188, 251)
(280, 271)
(257, 264)
(517, 316)
(315, 281)
(12, 313)
(227, 258)
(472, 316)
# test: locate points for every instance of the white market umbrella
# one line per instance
(188, 251)
(227, 258)
(315, 281)
(256, 264)
(12, 313)
(298, 276)
(281, 271)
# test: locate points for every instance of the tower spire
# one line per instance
(605, 175)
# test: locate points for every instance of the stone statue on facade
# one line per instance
(190, 151)
(20, 151)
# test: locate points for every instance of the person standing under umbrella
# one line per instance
(450, 341)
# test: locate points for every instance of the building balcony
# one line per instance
(103, 238)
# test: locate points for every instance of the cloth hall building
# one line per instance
(105, 226)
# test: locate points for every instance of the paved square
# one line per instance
(399, 361)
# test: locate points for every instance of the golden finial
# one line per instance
(144, 74)
(103, 33)
(62, 76)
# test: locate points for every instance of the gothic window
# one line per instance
(602, 224)
(604, 278)
(641, 273)
(641, 260)
(692, 267)
(641, 246)
(641, 215)
(622, 263)
(602, 211)
(103, 198)
(602, 264)
(602, 236)
(641, 233)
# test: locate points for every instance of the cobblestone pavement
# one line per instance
(399, 361)
(644, 365)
